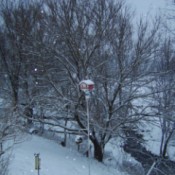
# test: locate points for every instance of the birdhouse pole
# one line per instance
(87, 86)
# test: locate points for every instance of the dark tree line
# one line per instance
(47, 47)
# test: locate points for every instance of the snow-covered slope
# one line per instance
(55, 160)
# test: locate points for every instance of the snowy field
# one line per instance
(55, 160)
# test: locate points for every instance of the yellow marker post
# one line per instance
(37, 162)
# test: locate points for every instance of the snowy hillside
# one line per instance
(55, 160)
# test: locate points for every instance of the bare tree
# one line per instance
(20, 38)
(164, 95)
(68, 41)
(15, 35)
(95, 41)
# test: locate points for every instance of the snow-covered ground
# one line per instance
(55, 160)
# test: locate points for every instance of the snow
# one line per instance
(55, 160)
(88, 82)
(153, 137)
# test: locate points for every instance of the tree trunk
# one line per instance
(98, 151)
(164, 152)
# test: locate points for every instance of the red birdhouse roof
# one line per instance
(87, 82)
(86, 85)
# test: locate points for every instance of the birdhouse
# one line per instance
(86, 85)
(78, 139)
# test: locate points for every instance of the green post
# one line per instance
(37, 162)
